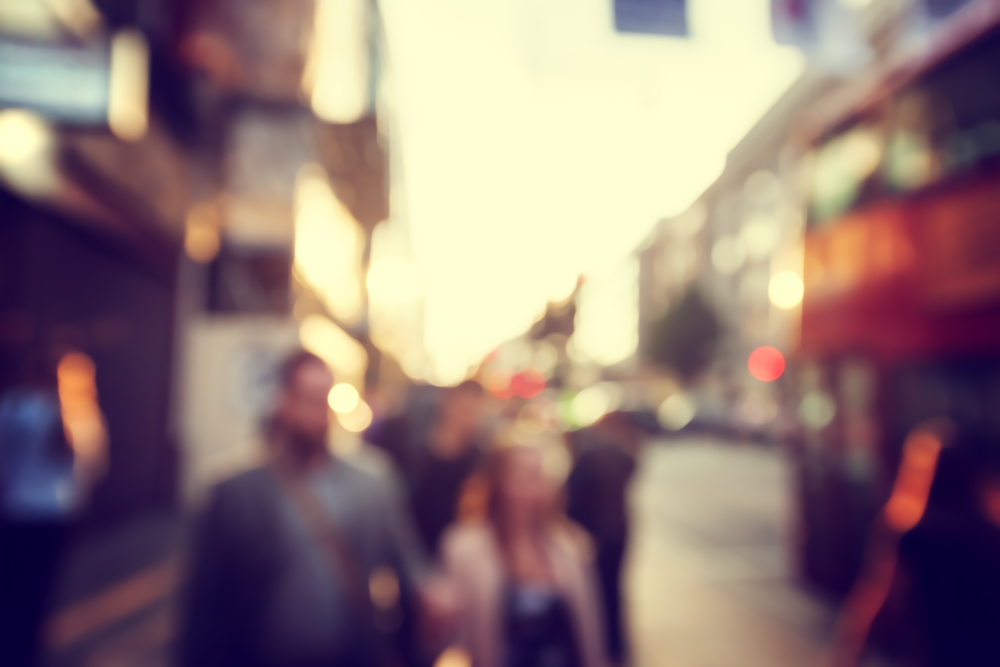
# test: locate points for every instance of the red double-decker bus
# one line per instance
(901, 315)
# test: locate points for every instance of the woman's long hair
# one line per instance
(496, 465)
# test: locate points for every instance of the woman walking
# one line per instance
(524, 574)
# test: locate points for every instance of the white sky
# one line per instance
(537, 144)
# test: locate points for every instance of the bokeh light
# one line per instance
(728, 254)
(816, 410)
(590, 405)
(83, 422)
(676, 411)
(23, 136)
(202, 240)
(128, 100)
(26, 152)
(529, 383)
(201, 243)
(356, 420)
(454, 656)
(499, 384)
(786, 290)
(766, 364)
(344, 397)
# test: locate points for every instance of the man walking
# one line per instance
(298, 563)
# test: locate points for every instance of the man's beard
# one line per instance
(310, 441)
(300, 440)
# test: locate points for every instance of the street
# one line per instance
(710, 579)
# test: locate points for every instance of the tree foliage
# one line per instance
(686, 336)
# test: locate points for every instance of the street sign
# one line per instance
(652, 17)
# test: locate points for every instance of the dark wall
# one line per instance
(63, 287)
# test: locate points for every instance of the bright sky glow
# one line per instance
(537, 144)
(328, 244)
(607, 316)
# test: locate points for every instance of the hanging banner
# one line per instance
(652, 17)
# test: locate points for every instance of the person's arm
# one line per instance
(407, 550)
(434, 594)
(586, 597)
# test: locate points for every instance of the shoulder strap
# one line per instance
(336, 549)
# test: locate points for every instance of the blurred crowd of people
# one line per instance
(459, 538)
(459, 544)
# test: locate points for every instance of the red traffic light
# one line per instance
(766, 364)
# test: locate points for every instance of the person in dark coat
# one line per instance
(294, 562)
(436, 460)
(949, 560)
(597, 491)
(933, 549)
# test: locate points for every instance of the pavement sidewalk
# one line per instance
(710, 579)
(114, 598)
